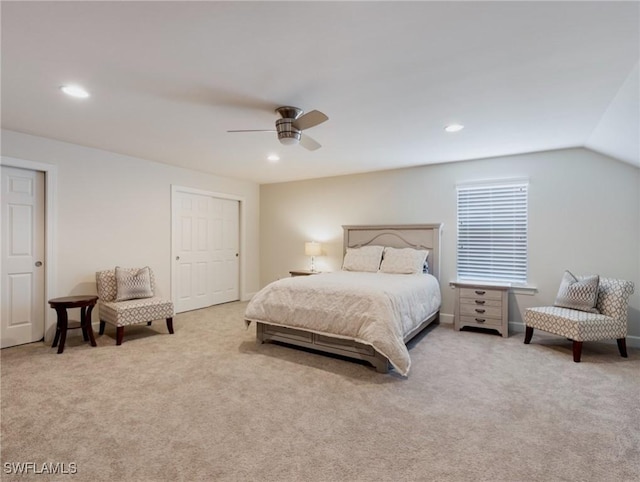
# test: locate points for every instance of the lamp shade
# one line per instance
(312, 248)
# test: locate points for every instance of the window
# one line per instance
(492, 232)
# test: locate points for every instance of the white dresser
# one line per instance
(482, 306)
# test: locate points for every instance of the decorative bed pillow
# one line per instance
(366, 258)
(578, 293)
(133, 283)
(403, 260)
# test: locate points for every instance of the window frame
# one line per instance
(500, 253)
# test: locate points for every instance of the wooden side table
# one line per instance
(86, 304)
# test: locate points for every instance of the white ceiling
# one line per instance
(168, 79)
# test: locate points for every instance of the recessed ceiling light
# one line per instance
(75, 91)
(273, 158)
(454, 127)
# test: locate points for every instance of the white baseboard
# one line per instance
(446, 318)
(633, 341)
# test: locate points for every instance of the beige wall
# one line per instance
(116, 210)
(584, 215)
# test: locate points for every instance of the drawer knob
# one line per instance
(480, 320)
(480, 292)
(480, 302)
(480, 311)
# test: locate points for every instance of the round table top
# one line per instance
(74, 301)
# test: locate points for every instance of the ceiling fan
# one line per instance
(291, 124)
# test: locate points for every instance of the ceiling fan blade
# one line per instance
(253, 130)
(309, 143)
(310, 119)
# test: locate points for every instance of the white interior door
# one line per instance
(206, 250)
(23, 302)
(226, 230)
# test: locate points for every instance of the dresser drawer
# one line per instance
(480, 293)
(480, 321)
(482, 311)
(479, 302)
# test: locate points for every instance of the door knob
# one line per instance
(38, 264)
(177, 258)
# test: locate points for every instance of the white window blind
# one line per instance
(492, 232)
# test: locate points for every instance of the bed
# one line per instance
(366, 315)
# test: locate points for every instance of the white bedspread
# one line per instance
(376, 309)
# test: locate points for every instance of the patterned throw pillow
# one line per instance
(132, 283)
(578, 293)
(404, 260)
(366, 258)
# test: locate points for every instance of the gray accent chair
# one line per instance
(129, 312)
(581, 326)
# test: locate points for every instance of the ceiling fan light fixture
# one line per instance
(287, 134)
(289, 138)
(289, 128)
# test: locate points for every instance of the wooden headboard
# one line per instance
(418, 236)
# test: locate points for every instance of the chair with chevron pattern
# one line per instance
(127, 298)
(586, 309)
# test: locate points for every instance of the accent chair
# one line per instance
(127, 298)
(580, 326)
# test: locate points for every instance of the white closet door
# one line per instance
(226, 251)
(23, 302)
(206, 250)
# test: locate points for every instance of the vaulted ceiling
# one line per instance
(168, 79)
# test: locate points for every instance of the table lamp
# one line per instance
(313, 249)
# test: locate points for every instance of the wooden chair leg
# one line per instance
(577, 351)
(528, 333)
(170, 325)
(622, 347)
(119, 335)
(102, 325)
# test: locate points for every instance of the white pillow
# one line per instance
(366, 258)
(403, 260)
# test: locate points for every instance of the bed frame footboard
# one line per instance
(326, 344)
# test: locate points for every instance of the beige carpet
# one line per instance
(209, 404)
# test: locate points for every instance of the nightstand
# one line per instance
(482, 305)
(303, 272)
